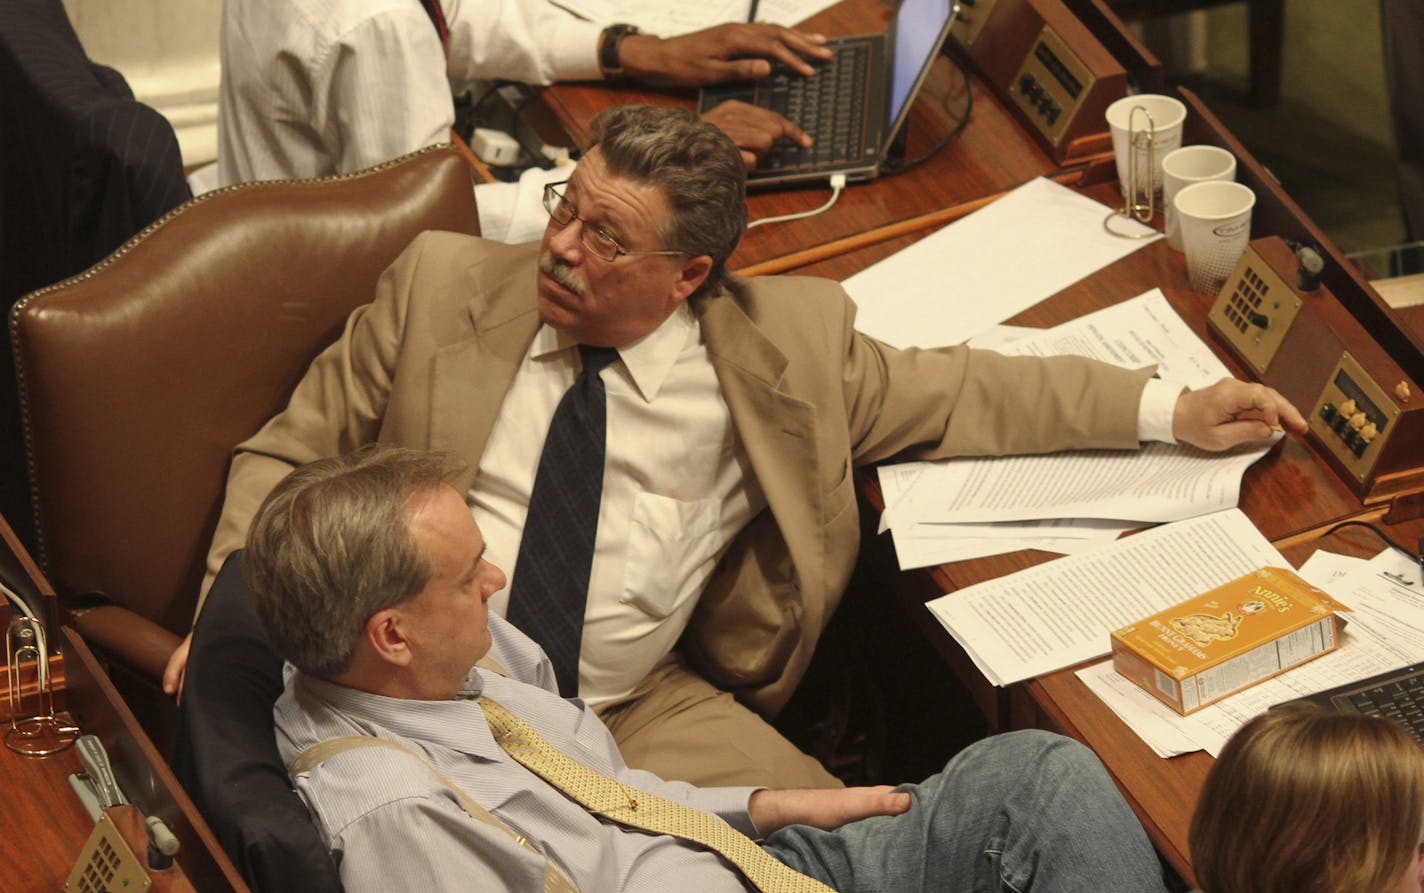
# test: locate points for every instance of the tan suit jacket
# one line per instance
(428, 362)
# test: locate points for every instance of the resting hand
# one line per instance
(719, 53)
(177, 668)
(823, 808)
(1232, 412)
(753, 128)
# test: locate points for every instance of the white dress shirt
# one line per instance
(677, 488)
(311, 88)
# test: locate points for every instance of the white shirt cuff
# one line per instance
(572, 50)
(1156, 408)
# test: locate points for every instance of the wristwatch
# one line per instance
(609, 60)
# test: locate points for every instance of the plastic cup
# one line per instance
(1181, 168)
(1215, 221)
(1151, 125)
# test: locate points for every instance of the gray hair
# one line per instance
(698, 168)
(331, 545)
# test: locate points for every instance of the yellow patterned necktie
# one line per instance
(605, 796)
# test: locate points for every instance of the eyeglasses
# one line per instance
(595, 238)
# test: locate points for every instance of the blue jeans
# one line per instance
(1026, 811)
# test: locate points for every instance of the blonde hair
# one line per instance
(331, 546)
(1305, 800)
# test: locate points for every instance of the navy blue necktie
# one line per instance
(556, 550)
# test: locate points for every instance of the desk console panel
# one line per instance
(1366, 414)
(1058, 78)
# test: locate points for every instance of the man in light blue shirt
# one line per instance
(370, 577)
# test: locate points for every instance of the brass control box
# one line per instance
(1365, 412)
(1259, 306)
(1354, 418)
(1050, 84)
(1055, 75)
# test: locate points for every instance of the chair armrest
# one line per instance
(130, 638)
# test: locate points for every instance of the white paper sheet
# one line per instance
(986, 267)
(923, 545)
(1061, 613)
(1138, 332)
(1161, 482)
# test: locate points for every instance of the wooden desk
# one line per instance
(1164, 793)
(991, 155)
(1291, 495)
(43, 826)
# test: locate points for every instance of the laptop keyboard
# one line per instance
(1401, 699)
(829, 105)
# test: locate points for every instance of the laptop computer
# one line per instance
(853, 106)
(1398, 694)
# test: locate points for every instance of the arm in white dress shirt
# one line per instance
(387, 91)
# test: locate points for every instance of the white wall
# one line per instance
(168, 52)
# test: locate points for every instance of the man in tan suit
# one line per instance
(736, 410)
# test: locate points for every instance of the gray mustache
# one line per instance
(560, 272)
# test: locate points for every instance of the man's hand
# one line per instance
(823, 808)
(1233, 412)
(733, 52)
(754, 129)
(177, 668)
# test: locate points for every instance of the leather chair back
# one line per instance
(139, 376)
(83, 166)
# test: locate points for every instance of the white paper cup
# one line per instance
(1215, 220)
(1158, 125)
(1187, 165)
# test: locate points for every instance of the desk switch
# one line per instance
(1255, 311)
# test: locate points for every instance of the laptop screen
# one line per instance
(919, 30)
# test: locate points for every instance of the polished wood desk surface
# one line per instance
(1164, 792)
(1292, 495)
(993, 153)
(43, 826)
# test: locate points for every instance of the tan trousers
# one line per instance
(679, 726)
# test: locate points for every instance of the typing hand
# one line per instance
(732, 52)
(754, 129)
(823, 808)
(1233, 412)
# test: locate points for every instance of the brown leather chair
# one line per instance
(139, 376)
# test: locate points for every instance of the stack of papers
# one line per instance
(1061, 613)
(1385, 631)
(953, 509)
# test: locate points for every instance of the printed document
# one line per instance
(960, 280)
(1061, 613)
(1160, 482)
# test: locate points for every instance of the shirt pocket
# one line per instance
(668, 541)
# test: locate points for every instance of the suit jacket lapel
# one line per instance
(776, 428)
(469, 378)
